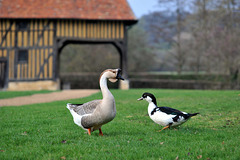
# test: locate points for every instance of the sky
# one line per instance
(142, 7)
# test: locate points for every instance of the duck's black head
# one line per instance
(148, 97)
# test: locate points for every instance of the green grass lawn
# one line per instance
(47, 131)
(12, 94)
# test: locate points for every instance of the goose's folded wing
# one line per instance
(169, 110)
(86, 108)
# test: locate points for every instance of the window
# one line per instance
(22, 56)
(22, 25)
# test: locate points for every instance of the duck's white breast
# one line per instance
(158, 116)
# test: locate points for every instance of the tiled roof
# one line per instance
(73, 9)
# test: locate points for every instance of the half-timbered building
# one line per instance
(33, 33)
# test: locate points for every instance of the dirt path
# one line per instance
(47, 97)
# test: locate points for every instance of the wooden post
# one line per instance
(124, 65)
(122, 49)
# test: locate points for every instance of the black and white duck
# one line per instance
(165, 116)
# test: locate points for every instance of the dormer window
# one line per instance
(22, 25)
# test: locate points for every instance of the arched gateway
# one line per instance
(32, 34)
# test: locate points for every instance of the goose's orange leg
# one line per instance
(89, 131)
(164, 128)
(100, 132)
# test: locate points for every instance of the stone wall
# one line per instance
(33, 85)
(90, 81)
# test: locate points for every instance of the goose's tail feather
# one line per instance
(70, 106)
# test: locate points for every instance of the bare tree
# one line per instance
(179, 56)
(215, 30)
(230, 37)
(140, 54)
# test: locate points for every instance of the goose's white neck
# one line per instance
(108, 107)
(104, 88)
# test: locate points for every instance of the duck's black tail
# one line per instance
(192, 114)
(189, 115)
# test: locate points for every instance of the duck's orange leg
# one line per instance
(89, 131)
(168, 126)
(100, 132)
